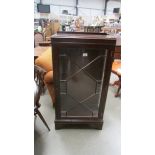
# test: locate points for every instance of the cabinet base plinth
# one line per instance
(78, 125)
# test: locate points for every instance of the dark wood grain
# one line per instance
(45, 43)
(82, 66)
(117, 53)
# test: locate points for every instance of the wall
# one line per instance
(57, 6)
(111, 5)
(59, 2)
(86, 7)
(96, 4)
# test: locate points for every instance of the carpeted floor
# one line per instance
(79, 141)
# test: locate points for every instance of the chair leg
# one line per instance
(42, 118)
(118, 90)
(115, 83)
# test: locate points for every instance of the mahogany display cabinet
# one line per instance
(81, 71)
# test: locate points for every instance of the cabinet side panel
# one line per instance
(105, 84)
(55, 59)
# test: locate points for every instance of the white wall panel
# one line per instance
(37, 1)
(55, 9)
(111, 5)
(84, 12)
(98, 4)
(60, 2)
(58, 9)
(97, 12)
(71, 10)
(35, 5)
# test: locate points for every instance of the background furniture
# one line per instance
(96, 29)
(82, 65)
(117, 53)
(38, 90)
(110, 30)
(44, 60)
(116, 69)
(51, 29)
(38, 37)
(45, 43)
(116, 66)
(39, 50)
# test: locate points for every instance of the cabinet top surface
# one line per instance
(81, 35)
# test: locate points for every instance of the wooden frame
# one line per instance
(85, 41)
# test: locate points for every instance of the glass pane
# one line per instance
(80, 81)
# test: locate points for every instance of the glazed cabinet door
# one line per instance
(81, 73)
